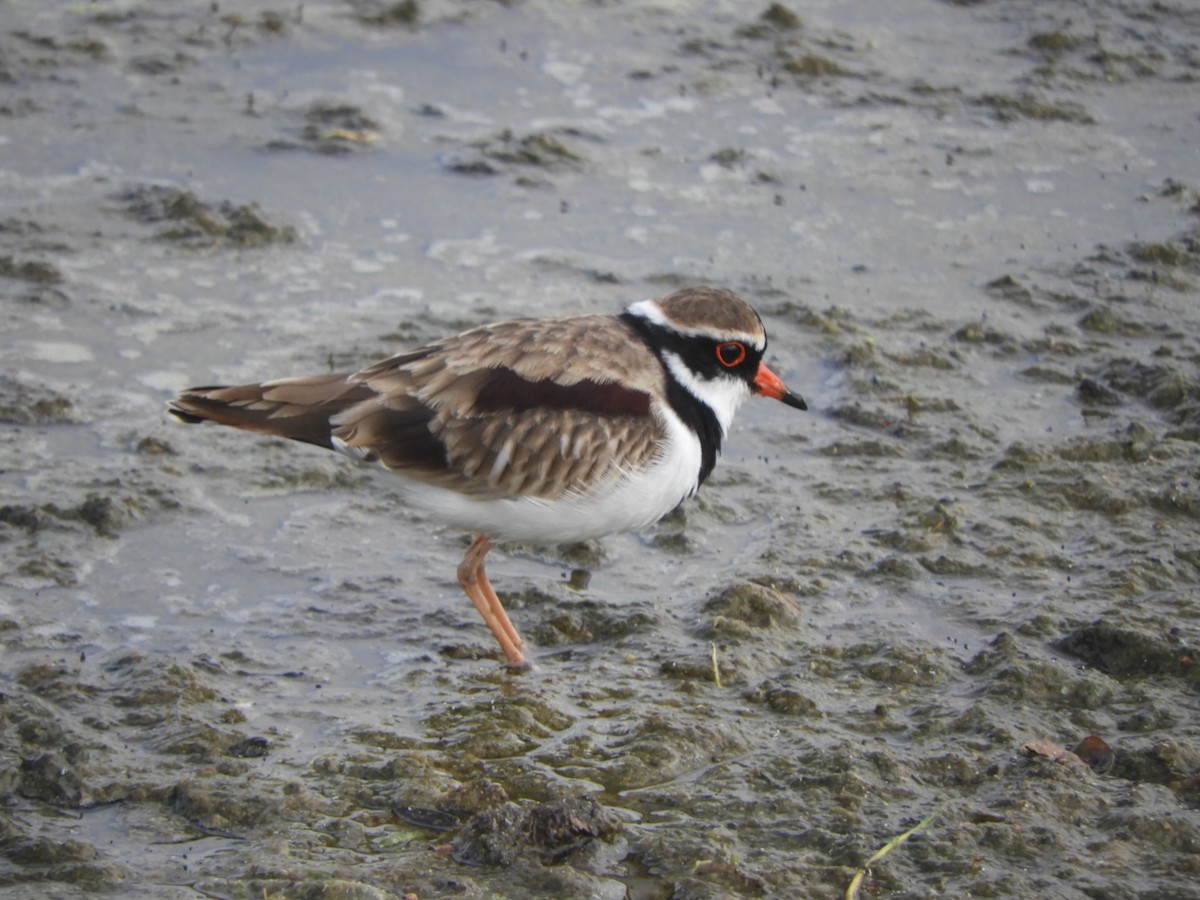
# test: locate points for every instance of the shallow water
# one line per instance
(230, 666)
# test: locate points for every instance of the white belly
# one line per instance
(634, 501)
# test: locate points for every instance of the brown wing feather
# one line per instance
(541, 407)
(294, 408)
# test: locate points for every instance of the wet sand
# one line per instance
(237, 668)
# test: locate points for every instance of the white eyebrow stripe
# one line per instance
(652, 313)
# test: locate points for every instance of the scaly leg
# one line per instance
(498, 608)
(475, 585)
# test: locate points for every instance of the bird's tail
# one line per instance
(296, 408)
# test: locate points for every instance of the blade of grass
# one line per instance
(856, 881)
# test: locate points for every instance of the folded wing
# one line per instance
(481, 414)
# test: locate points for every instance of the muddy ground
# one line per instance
(233, 668)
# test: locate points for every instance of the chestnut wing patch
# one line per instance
(506, 391)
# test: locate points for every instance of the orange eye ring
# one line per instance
(731, 354)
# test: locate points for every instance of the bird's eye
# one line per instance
(730, 354)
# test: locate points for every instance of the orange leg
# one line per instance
(498, 608)
(475, 585)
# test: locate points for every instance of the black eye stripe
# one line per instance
(699, 352)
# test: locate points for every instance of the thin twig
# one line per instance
(716, 666)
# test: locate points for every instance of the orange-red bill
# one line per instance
(769, 384)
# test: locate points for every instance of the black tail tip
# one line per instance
(180, 414)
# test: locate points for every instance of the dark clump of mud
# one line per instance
(26, 404)
(29, 270)
(1132, 652)
(184, 218)
(552, 832)
(332, 129)
(385, 13)
(531, 158)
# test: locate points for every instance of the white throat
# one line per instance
(722, 395)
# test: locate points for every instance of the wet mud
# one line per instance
(957, 597)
